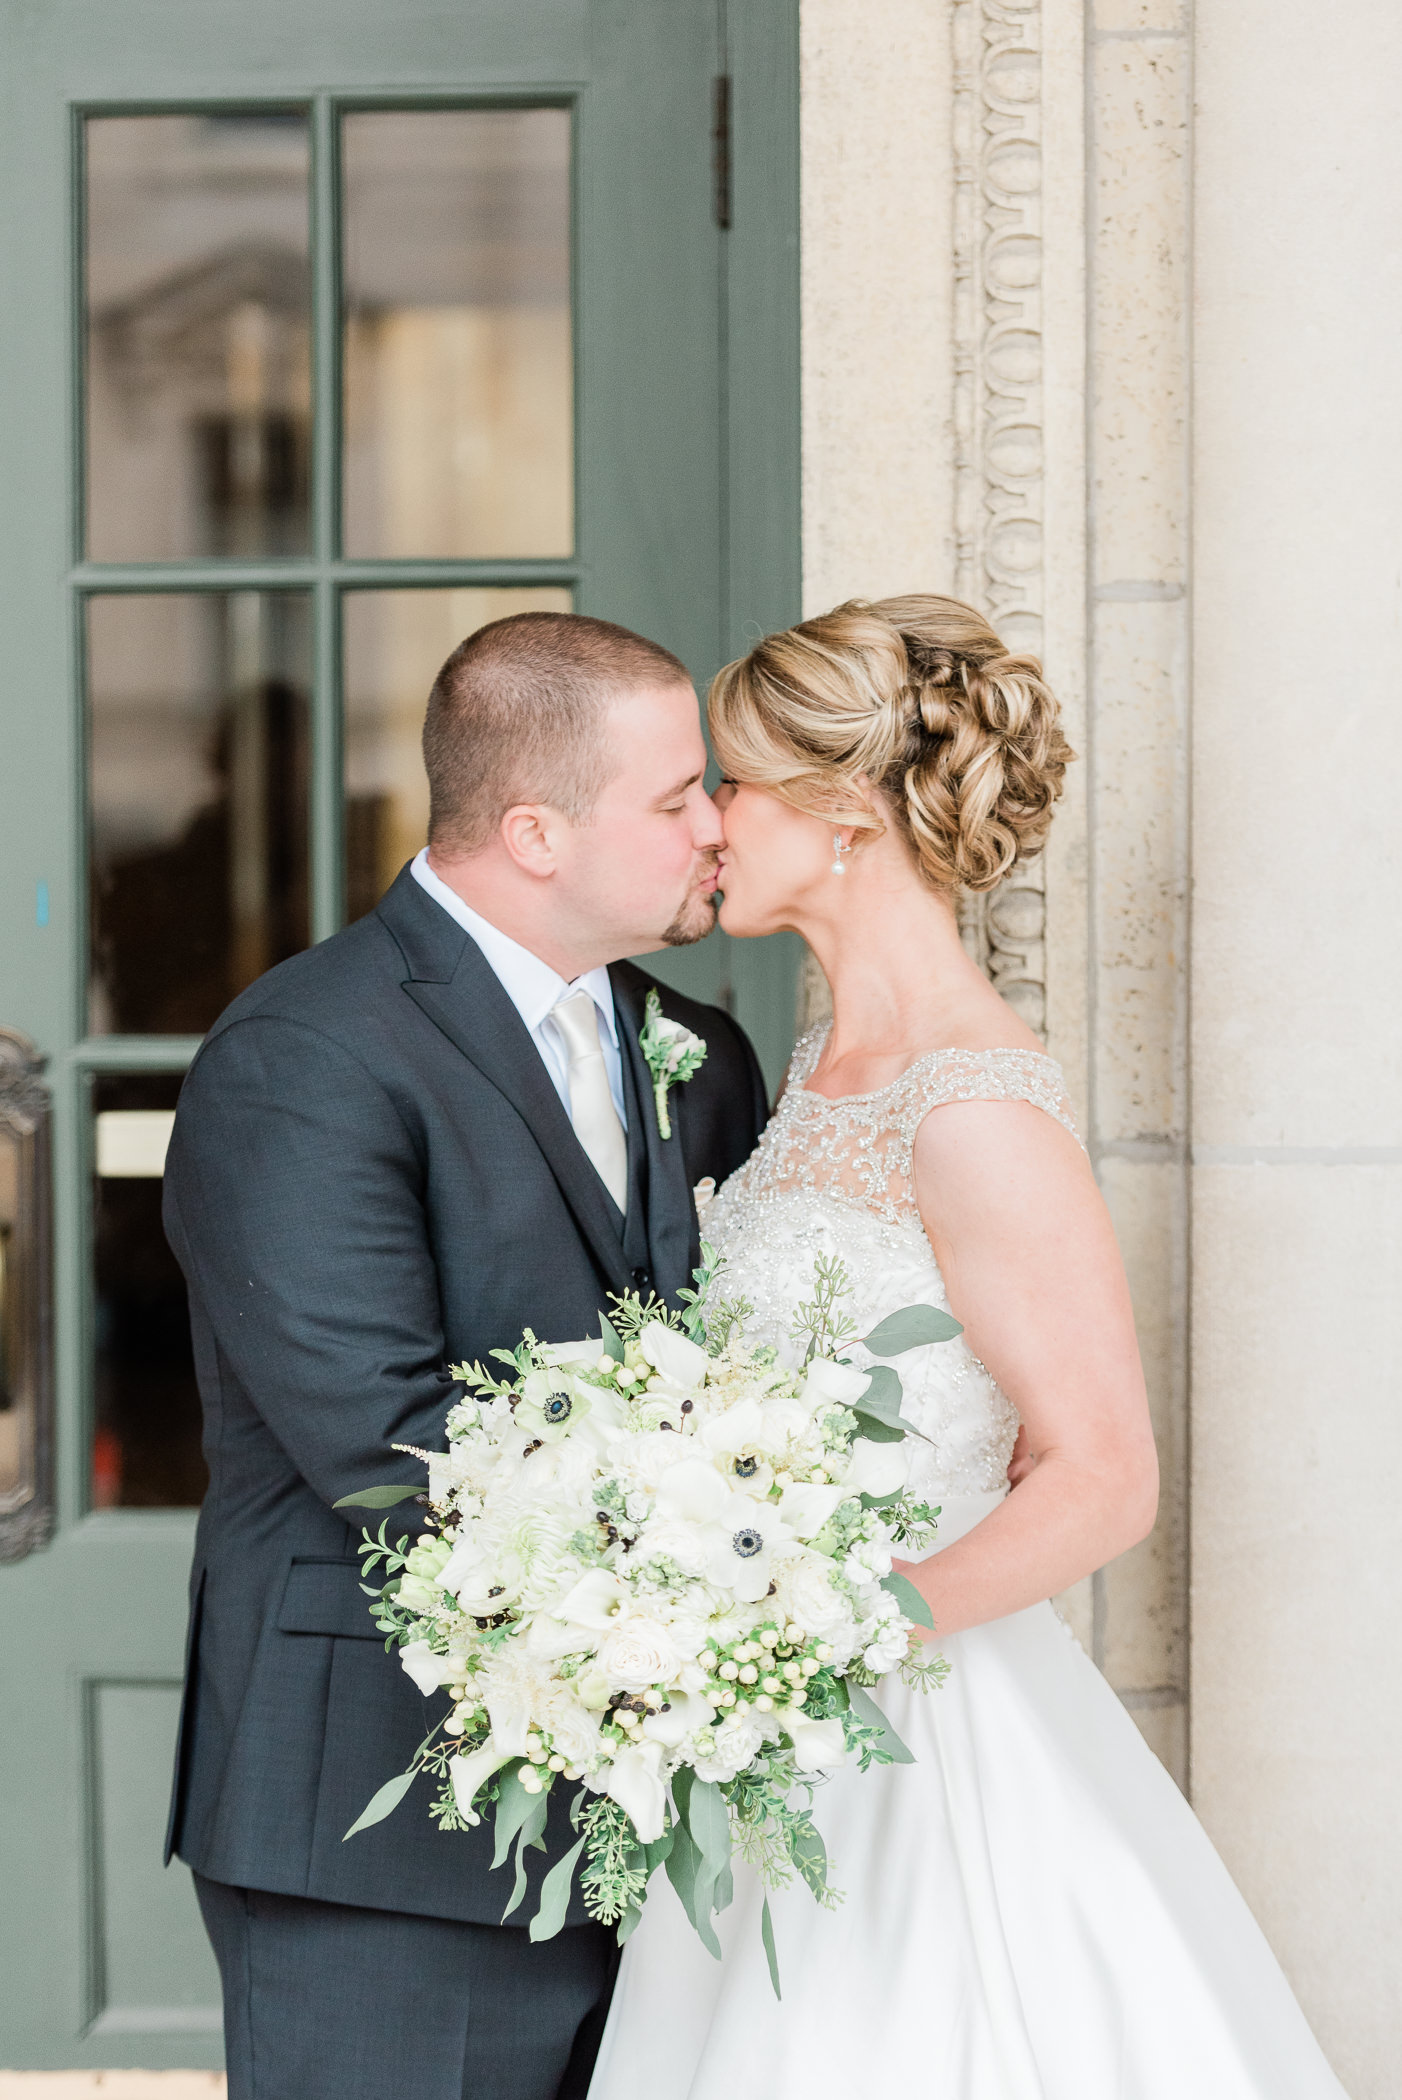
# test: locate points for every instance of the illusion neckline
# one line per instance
(926, 1057)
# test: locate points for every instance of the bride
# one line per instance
(1031, 1910)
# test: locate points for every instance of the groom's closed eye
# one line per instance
(674, 801)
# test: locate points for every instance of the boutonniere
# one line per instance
(672, 1053)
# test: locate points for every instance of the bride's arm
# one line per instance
(1028, 1255)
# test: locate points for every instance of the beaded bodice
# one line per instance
(836, 1177)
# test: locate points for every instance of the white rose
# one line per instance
(645, 1460)
(877, 1469)
(805, 1594)
(638, 1652)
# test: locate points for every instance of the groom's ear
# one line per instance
(528, 832)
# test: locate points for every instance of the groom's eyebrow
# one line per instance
(680, 789)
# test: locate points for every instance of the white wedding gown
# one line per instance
(1032, 1911)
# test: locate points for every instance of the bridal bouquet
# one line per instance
(656, 1569)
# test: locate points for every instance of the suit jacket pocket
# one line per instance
(324, 1596)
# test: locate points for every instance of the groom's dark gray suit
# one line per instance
(372, 1176)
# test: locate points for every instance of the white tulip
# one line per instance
(818, 1746)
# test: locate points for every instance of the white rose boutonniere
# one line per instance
(673, 1054)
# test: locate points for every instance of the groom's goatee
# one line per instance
(693, 922)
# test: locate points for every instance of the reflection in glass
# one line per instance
(26, 1338)
(198, 769)
(146, 1431)
(396, 642)
(198, 361)
(459, 388)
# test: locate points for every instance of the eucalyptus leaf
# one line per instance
(866, 1710)
(382, 1803)
(683, 1865)
(529, 1834)
(909, 1599)
(632, 1918)
(513, 1807)
(376, 1498)
(766, 1933)
(708, 1820)
(610, 1340)
(878, 1411)
(555, 1895)
(911, 1328)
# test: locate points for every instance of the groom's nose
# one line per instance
(707, 825)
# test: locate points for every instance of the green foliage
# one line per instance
(913, 1327)
(616, 1872)
(820, 1328)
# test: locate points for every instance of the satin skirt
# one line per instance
(1030, 1911)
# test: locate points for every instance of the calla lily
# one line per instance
(818, 1746)
(877, 1469)
(827, 1381)
(683, 1713)
(430, 1672)
(593, 1601)
(468, 1773)
(634, 1781)
(807, 1505)
(684, 1363)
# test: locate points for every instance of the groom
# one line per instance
(394, 1152)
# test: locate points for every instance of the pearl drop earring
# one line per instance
(838, 849)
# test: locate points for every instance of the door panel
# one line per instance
(208, 688)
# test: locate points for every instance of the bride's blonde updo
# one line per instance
(918, 695)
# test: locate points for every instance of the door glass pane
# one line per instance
(197, 800)
(458, 361)
(198, 359)
(396, 642)
(146, 1435)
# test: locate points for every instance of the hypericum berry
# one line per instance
(749, 1674)
(531, 1781)
(811, 1665)
(770, 1684)
(557, 1763)
(764, 1702)
(793, 1671)
(768, 1636)
(729, 1670)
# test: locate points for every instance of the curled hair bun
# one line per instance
(918, 696)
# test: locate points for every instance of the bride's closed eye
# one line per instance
(725, 792)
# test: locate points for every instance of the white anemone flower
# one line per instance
(731, 1535)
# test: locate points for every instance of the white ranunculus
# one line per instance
(877, 1469)
(430, 1672)
(645, 1460)
(593, 1600)
(593, 1687)
(673, 1356)
(683, 1714)
(806, 1595)
(637, 1652)
(827, 1381)
(818, 1746)
(634, 1781)
(468, 1773)
(469, 1576)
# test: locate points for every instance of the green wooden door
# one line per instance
(328, 330)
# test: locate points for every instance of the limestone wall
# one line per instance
(1146, 413)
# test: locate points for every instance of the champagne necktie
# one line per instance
(596, 1121)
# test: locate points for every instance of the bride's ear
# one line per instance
(527, 833)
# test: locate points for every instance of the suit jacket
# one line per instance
(372, 1176)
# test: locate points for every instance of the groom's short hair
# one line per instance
(516, 715)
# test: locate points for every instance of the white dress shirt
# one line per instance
(533, 989)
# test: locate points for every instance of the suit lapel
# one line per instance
(450, 980)
(673, 1239)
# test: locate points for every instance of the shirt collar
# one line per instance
(532, 985)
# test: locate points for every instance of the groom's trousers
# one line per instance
(324, 2001)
